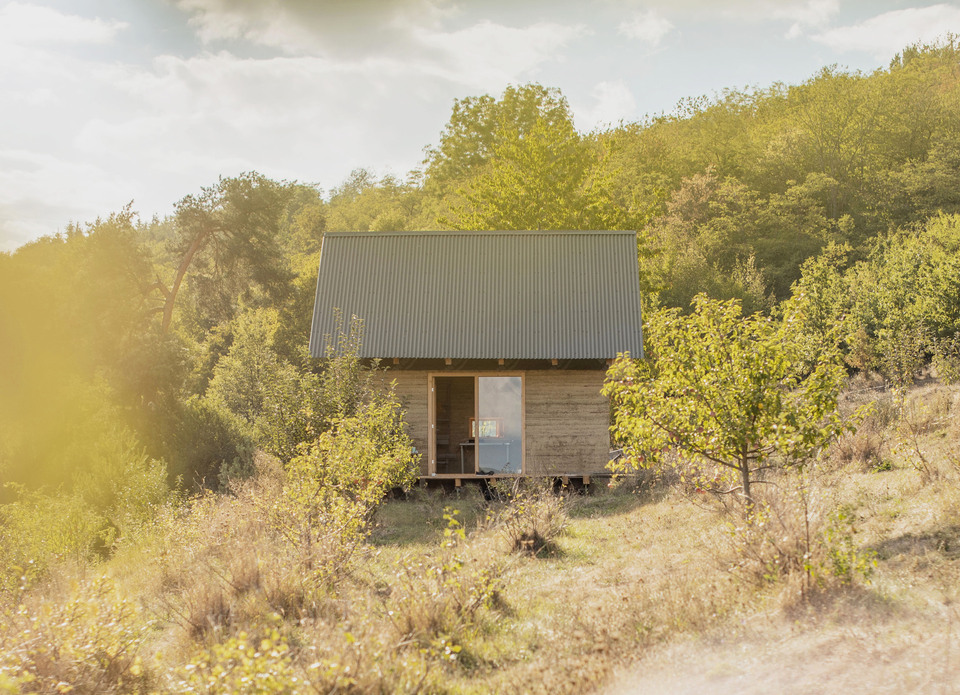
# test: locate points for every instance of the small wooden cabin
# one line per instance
(498, 342)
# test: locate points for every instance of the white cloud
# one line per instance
(37, 187)
(613, 102)
(809, 13)
(117, 130)
(648, 27)
(479, 54)
(22, 23)
(886, 34)
(488, 55)
(332, 27)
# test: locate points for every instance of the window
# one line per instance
(478, 424)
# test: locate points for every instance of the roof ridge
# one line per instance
(491, 232)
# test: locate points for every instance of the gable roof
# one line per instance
(482, 295)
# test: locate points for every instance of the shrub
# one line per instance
(946, 359)
(532, 517)
(332, 489)
(842, 559)
(202, 441)
(242, 664)
(38, 530)
(88, 643)
(222, 563)
(114, 489)
(281, 406)
(796, 531)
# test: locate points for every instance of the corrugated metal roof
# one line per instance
(482, 295)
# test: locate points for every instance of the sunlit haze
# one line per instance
(108, 101)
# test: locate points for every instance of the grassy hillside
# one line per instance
(534, 593)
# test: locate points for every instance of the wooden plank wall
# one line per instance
(567, 423)
(567, 420)
(412, 390)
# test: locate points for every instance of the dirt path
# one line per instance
(907, 655)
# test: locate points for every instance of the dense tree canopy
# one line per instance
(830, 201)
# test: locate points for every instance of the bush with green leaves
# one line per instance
(796, 530)
(733, 397)
(38, 530)
(280, 406)
(247, 663)
(115, 489)
(332, 489)
(266, 398)
(893, 309)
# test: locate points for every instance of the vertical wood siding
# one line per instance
(412, 390)
(567, 420)
(567, 423)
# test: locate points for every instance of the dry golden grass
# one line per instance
(896, 634)
(637, 589)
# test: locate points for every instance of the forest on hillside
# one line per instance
(178, 337)
(154, 374)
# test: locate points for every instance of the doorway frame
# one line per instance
(432, 419)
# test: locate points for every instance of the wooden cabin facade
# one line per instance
(497, 342)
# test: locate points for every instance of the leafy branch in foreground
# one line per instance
(733, 396)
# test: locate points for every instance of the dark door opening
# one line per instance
(455, 399)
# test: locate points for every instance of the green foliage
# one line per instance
(77, 348)
(365, 203)
(280, 406)
(731, 395)
(199, 439)
(38, 530)
(946, 359)
(242, 664)
(537, 181)
(538, 172)
(845, 561)
(115, 490)
(227, 247)
(892, 309)
(303, 222)
(477, 124)
(793, 532)
(253, 384)
(334, 486)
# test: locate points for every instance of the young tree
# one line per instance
(733, 396)
(476, 124)
(227, 238)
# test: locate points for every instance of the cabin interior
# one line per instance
(478, 425)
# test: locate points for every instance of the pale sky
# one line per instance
(107, 101)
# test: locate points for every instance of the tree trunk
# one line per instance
(171, 296)
(745, 480)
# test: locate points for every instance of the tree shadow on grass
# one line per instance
(944, 540)
(418, 518)
(621, 497)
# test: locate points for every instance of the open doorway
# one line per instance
(478, 425)
(453, 410)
